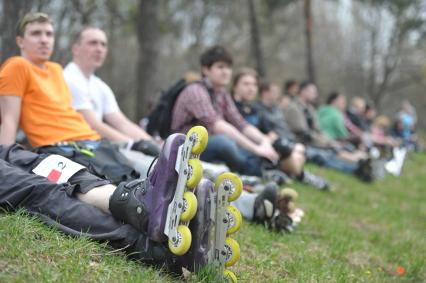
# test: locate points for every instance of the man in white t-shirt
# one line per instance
(95, 100)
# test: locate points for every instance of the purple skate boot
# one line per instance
(162, 205)
(215, 220)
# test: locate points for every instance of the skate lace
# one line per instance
(150, 166)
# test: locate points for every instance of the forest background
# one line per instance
(375, 49)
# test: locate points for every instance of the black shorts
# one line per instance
(82, 181)
(101, 158)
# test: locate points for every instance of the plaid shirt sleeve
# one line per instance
(194, 106)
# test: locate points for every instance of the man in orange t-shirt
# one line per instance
(34, 96)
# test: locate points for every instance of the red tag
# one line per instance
(54, 175)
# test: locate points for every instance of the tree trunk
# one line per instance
(310, 66)
(372, 72)
(13, 10)
(256, 40)
(148, 38)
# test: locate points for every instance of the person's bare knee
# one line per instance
(98, 197)
(294, 163)
(298, 147)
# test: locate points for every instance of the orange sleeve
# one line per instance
(14, 77)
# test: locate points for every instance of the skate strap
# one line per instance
(57, 169)
(141, 184)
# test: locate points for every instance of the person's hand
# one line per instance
(148, 147)
(267, 151)
(272, 136)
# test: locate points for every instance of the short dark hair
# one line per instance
(77, 36)
(289, 83)
(305, 84)
(264, 86)
(215, 54)
(332, 97)
(32, 17)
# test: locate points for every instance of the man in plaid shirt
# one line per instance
(232, 140)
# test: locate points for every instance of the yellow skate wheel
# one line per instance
(180, 245)
(195, 173)
(201, 138)
(234, 219)
(231, 182)
(232, 249)
(189, 206)
(229, 276)
(289, 193)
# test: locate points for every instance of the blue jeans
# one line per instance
(328, 158)
(223, 149)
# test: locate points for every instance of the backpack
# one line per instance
(160, 119)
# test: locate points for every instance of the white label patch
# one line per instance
(57, 169)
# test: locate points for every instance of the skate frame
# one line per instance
(175, 208)
(217, 254)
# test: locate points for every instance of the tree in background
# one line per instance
(256, 40)
(14, 9)
(392, 27)
(148, 37)
(374, 48)
(310, 65)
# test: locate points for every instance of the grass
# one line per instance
(356, 233)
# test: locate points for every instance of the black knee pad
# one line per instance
(284, 147)
(125, 204)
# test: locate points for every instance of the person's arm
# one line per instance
(339, 126)
(254, 134)
(10, 111)
(297, 122)
(105, 130)
(121, 123)
(223, 127)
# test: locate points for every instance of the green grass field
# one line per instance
(356, 233)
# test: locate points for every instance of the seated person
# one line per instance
(291, 89)
(130, 217)
(272, 122)
(96, 102)
(330, 117)
(355, 113)
(406, 120)
(370, 114)
(379, 132)
(34, 95)
(302, 120)
(240, 145)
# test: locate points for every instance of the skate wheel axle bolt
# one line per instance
(180, 244)
(189, 206)
(234, 219)
(200, 137)
(233, 251)
(232, 182)
(196, 170)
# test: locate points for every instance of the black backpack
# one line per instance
(160, 119)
